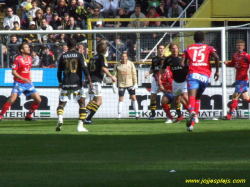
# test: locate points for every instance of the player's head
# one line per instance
(174, 48)
(240, 45)
(71, 43)
(24, 49)
(124, 57)
(101, 48)
(198, 37)
(160, 49)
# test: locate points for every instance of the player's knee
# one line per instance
(38, 101)
(11, 100)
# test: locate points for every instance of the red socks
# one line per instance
(33, 107)
(6, 107)
(191, 101)
(197, 106)
(167, 111)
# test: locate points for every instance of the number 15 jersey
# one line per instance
(198, 56)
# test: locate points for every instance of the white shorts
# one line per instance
(65, 95)
(154, 87)
(179, 88)
(97, 89)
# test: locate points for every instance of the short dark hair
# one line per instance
(158, 46)
(21, 46)
(71, 43)
(198, 36)
(14, 35)
(137, 6)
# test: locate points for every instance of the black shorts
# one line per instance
(122, 91)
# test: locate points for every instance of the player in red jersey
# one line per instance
(241, 62)
(198, 56)
(22, 82)
(165, 82)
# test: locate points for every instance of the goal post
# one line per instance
(109, 108)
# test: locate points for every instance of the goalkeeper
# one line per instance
(127, 80)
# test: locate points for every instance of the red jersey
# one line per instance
(198, 56)
(22, 66)
(241, 63)
(166, 79)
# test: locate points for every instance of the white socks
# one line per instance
(60, 119)
(120, 109)
(135, 106)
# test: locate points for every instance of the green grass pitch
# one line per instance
(122, 153)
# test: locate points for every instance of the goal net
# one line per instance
(140, 45)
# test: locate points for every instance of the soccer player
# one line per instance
(22, 82)
(165, 82)
(198, 55)
(155, 67)
(179, 79)
(127, 80)
(97, 67)
(241, 62)
(72, 65)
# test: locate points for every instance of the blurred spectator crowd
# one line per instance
(73, 15)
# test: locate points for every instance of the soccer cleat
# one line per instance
(119, 118)
(229, 116)
(30, 119)
(190, 128)
(80, 127)
(88, 122)
(190, 118)
(137, 118)
(178, 120)
(225, 118)
(169, 121)
(151, 118)
(196, 119)
(59, 126)
(1, 117)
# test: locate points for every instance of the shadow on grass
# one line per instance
(122, 160)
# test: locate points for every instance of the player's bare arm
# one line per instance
(160, 82)
(183, 62)
(59, 78)
(217, 64)
(106, 71)
(148, 73)
(15, 74)
(90, 82)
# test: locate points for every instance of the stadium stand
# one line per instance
(57, 16)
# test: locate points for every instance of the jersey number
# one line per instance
(199, 53)
(70, 65)
(92, 66)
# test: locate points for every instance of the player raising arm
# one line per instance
(22, 82)
(241, 62)
(97, 67)
(199, 72)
